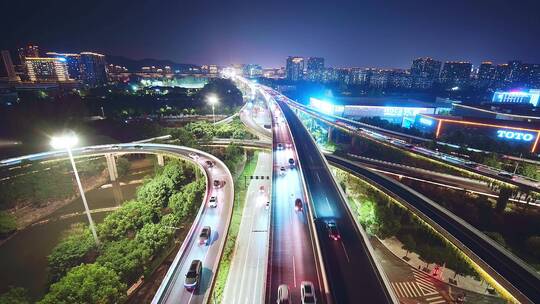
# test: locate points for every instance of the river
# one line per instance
(23, 259)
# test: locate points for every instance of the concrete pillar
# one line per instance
(111, 166)
(330, 134)
(117, 193)
(160, 160)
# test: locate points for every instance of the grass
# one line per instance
(240, 197)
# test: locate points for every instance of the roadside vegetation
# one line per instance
(515, 226)
(240, 190)
(133, 239)
(382, 217)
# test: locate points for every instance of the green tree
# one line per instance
(70, 252)
(154, 237)
(156, 192)
(122, 166)
(129, 218)
(126, 258)
(530, 170)
(7, 224)
(492, 161)
(409, 244)
(88, 283)
(15, 295)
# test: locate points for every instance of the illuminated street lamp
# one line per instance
(68, 141)
(213, 100)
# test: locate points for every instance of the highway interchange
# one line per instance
(284, 244)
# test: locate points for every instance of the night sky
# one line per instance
(363, 33)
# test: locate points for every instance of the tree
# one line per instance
(7, 224)
(409, 244)
(156, 192)
(70, 252)
(154, 237)
(126, 258)
(502, 200)
(15, 295)
(127, 219)
(88, 283)
(122, 166)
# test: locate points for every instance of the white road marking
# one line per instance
(318, 177)
(294, 271)
(345, 250)
(328, 204)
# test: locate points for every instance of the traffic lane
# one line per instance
(324, 195)
(213, 217)
(524, 280)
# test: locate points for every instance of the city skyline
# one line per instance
(266, 33)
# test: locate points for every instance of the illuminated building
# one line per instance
(517, 97)
(93, 69)
(330, 75)
(46, 69)
(314, 68)
(502, 72)
(7, 70)
(168, 70)
(513, 133)
(28, 51)
(516, 72)
(486, 74)
(213, 69)
(398, 111)
(73, 62)
(295, 68)
(456, 73)
(531, 75)
(252, 70)
(361, 76)
(424, 72)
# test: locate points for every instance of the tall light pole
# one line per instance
(213, 100)
(68, 141)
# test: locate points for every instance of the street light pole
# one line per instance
(212, 100)
(67, 142)
(213, 114)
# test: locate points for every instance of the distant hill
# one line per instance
(136, 64)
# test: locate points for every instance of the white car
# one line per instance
(282, 171)
(212, 202)
(193, 155)
(307, 293)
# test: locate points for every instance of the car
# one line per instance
(280, 146)
(333, 231)
(137, 147)
(261, 189)
(282, 171)
(505, 175)
(307, 293)
(115, 147)
(470, 164)
(283, 295)
(204, 236)
(193, 276)
(217, 183)
(193, 155)
(291, 162)
(267, 126)
(209, 163)
(213, 202)
(409, 146)
(298, 206)
(267, 205)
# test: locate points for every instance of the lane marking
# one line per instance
(318, 177)
(328, 204)
(294, 271)
(345, 250)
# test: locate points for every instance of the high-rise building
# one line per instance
(531, 75)
(486, 74)
(213, 69)
(295, 68)
(456, 73)
(93, 69)
(252, 70)
(361, 76)
(7, 69)
(501, 77)
(28, 51)
(46, 69)
(73, 62)
(424, 72)
(330, 75)
(516, 72)
(314, 68)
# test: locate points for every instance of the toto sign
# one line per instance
(513, 135)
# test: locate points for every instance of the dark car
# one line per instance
(193, 276)
(291, 162)
(298, 206)
(217, 183)
(204, 236)
(137, 147)
(333, 231)
(506, 175)
(209, 163)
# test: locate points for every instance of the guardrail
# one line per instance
(463, 235)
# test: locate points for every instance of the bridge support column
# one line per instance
(111, 166)
(330, 134)
(160, 160)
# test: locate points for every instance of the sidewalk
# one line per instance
(464, 282)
